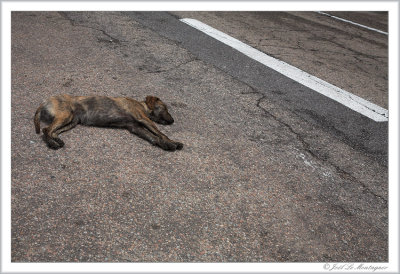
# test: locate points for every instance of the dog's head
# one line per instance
(158, 111)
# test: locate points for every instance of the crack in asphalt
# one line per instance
(118, 41)
(307, 148)
(315, 38)
(75, 24)
(174, 67)
(309, 24)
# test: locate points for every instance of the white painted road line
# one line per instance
(348, 99)
(351, 22)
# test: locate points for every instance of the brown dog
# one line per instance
(64, 112)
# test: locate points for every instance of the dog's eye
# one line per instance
(161, 108)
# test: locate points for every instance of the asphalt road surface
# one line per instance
(271, 171)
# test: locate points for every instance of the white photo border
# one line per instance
(8, 6)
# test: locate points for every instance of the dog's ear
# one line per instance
(151, 101)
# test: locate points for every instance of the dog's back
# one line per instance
(88, 110)
(100, 111)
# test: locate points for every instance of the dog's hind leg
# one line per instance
(67, 127)
(51, 132)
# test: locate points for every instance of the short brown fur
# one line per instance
(63, 112)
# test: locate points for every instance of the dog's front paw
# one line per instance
(179, 145)
(167, 146)
(170, 145)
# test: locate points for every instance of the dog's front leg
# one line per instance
(152, 138)
(148, 124)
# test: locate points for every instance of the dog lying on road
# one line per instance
(64, 112)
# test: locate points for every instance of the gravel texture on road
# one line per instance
(253, 183)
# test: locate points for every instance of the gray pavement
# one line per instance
(255, 182)
(345, 55)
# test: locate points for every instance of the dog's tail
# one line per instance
(36, 119)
